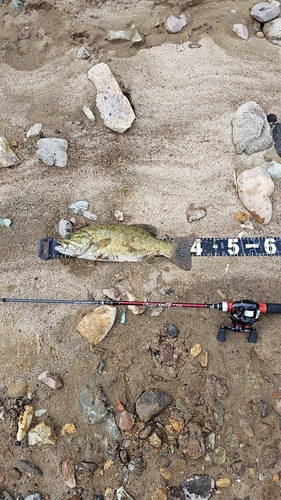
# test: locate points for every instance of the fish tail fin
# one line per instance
(181, 255)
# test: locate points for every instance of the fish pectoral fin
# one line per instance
(102, 243)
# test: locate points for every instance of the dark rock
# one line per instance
(30, 468)
(93, 404)
(171, 330)
(219, 385)
(136, 465)
(85, 468)
(166, 353)
(124, 456)
(272, 119)
(98, 496)
(192, 443)
(277, 138)
(150, 403)
(198, 487)
(263, 408)
(238, 469)
(174, 493)
(4, 495)
(146, 432)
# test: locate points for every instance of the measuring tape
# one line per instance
(202, 247)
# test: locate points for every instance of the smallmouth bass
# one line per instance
(124, 243)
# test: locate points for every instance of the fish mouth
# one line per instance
(64, 249)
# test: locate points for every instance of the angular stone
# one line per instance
(192, 443)
(198, 487)
(115, 108)
(174, 24)
(277, 135)
(152, 402)
(7, 157)
(219, 385)
(274, 169)
(41, 434)
(250, 129)
(93, 404)
(241, 31)
(53, 381)
(255, 187)
(126, 421)
(68, 473)
(34, 130)
(95, 325)
(265, 11)
(52, 152)
(272, 31)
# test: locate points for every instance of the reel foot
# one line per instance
(222, 334)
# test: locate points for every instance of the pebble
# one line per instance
(53, 381)
(255, 187)
(119, 215)
(65, 228)
(34, 130)
(136, 465)
(5, 222)
(238, 469)
(115, 108)
(259, 34)
(219, 385)
(195, 350)
(192, 443)
(203, 359)
(272, 31)
(223, 482)
(81, 208)
(121, 493)
(272, 119)
(150, 403)
(171, 331)
(174, 493)
(68, 472)
(250, 129)
(89, 113)
(218, 413)
(41, 434)
(17, 5)
(52, 152)
(174, 24)
(15, 474)
(277, 405)
(7, 157)
(17, 389)
(159, 494)
(68, 429)
(277, 133)
(265, 11)
(241, 31)
(155, 440)
(219, 455)
(24, 422)
(131, 34)
(146, 432)
(82, 468)
(247, 428)
(135, 309)
(33, 496)
(30, 468)
(126, 421)
(177, 425)
(83, 54)
(95, 325)
(198, 487)
(274, 169)
(92, 404)
(263, 409)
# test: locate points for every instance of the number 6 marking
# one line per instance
(233, 247)
(269, 246)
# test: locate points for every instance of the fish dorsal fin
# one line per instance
(102, 243)
(148, 228)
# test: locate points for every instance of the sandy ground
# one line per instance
(178, 152)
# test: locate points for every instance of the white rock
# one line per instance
(83, 53)
(272, 31)
(7, 157)
(135, 309)
(119, 215)
(89, 113)
(241, 31)
(81, 208)
(174, 24)
(34, 130)
(131, 34)
(251, 130)
(114, 107)
(265, 11)
(255, 187)
(274, 169)
(52, 152)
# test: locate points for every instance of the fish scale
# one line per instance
(202, 247)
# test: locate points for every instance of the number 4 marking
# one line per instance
(196, 247)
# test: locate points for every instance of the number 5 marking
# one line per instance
(269, 246)
(233, 247)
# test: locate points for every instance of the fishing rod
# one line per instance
(243, 313)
